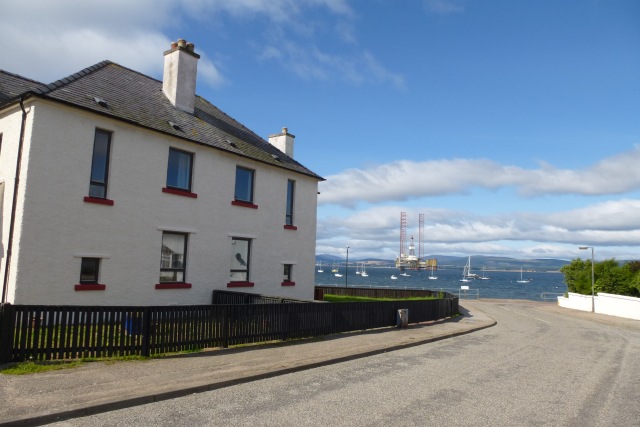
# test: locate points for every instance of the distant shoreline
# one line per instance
(452, 267)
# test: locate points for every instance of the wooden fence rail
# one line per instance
(36, 332)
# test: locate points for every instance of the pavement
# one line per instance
(95, 387)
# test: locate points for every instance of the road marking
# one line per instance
(525, 315)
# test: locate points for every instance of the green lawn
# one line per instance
(347, 298)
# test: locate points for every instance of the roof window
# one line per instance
(175, 126)
(276, 157)
(101, 102)
(231, 143)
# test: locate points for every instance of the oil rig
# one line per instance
(408, 259)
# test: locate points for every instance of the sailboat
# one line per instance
(336, 271)
(320, 270)
(521, 279)
(431, 276)
(364, 273)
(483, 277)
(466, 273)
(358, 270)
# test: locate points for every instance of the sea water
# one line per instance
(542, 286)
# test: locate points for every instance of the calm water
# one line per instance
(501, 284)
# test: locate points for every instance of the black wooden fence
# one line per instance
(393, 293)
(36, 332)
(232, 297)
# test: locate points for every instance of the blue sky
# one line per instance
(513, 126)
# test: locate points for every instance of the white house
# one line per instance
(119, 189)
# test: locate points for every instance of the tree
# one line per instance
(577, 276)
(610, 277)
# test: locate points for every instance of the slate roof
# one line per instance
(12, 85)
(138, 99)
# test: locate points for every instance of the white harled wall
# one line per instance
(59, 228)
(10, 124)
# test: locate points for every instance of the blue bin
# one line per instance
(133, 324)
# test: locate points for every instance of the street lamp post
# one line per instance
(346, 271)
(593, 308)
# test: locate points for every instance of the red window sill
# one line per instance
(180, 285)
(99, 201)
(240, 284)
(244, 204)
(285, 283)
(90, 287)
(290, 227)
(177, 192)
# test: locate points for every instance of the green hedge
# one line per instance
(348, 298)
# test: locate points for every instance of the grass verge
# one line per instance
(26, 368)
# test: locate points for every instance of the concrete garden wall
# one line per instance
(613, 305)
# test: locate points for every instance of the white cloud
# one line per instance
(309, 62)
(621, 215)
(613, 175)
(134, 34)
(65, 37)
(403, 180)
(279, 11)
(375, 232)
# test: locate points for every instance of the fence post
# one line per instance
(7, 321)
(146, 331)
(225, 326)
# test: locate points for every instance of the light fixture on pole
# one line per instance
(593, 308)
(346, 270)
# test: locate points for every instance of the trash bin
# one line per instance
(402, 319)
(133, 324)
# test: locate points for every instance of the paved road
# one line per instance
(541, 365)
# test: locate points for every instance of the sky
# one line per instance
(512, 126)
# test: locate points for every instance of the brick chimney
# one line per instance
(179, 79)
(283, 142)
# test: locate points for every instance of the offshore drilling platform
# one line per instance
(408, 259)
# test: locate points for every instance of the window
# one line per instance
(291, 185)
(100, 164)
(244, 185)
(240, 256)
(179, 169)
(89, 268)
(89, 275)
(286, 277)
(173, 258)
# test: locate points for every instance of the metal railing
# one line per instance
(548, 296)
